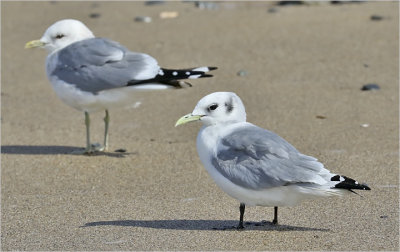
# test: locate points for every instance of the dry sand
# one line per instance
(301, 62)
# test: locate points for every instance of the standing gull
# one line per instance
(92, 74)
(256, 166)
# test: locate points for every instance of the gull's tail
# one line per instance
(343, 182)
(171, 77)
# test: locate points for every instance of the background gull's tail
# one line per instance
(171, 77)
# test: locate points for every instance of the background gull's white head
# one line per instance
(62, 34)
(220, 107)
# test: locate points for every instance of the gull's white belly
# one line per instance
(276, 196)
(87, 101)
(91, 102)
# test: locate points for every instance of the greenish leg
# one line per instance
(106, 123)
(91, 148)
(87, 123)
(88, 149)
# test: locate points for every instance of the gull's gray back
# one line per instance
(256, 158)
(98, 64)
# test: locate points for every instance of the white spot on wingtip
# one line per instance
(161, 72)
(201, 69)
(175, 73)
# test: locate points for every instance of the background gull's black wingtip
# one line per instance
(206, 75)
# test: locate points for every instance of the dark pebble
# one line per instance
(143, 19)
(345, 2)
(242, 73)
(154, 2)
(285, 3)
(206, 5)
(371, 86)
(366, 65)
(94, 15)
(376, 18)
(120, 150)
(320, 117)
(272, 10)
(384, 217)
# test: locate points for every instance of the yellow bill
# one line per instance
(33, 44)
(187, 118)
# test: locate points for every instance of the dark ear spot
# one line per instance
(229, 106)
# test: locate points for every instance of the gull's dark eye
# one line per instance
(213, 107)
(59, 36)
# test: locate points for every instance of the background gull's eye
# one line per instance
(213, 107)
(59, 36)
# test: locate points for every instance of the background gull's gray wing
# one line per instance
(256, 158)
(98, 64)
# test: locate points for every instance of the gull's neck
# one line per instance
(211, 134)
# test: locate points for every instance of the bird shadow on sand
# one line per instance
(212, 225)
(56, 150)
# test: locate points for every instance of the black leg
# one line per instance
(241, 208)
(106, 123)
(275, 221)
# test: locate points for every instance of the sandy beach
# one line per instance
(299, 70)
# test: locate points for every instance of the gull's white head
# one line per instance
(217, 108)
(62, 34)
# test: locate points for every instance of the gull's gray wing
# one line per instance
(98, 64)
(256, 158)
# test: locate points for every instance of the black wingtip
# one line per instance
(206, 75)
(212, 68)
(349, 183)
(366, 187)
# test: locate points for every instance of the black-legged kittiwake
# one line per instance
(91, 73)
(256, 166)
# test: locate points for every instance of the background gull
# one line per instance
(92, 74)
(254, 165)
